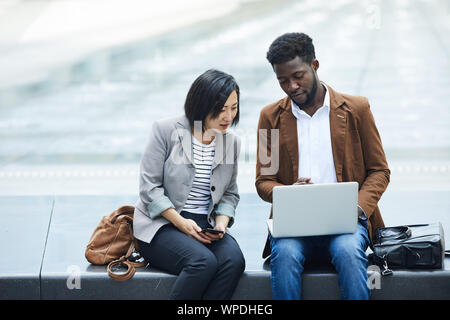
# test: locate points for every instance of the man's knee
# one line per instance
(286, 251)
(347, 249)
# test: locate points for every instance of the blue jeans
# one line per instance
(347, 254)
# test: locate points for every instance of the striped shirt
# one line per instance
(200, 195)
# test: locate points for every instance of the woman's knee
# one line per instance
(204, 261)
(232, 258)
(237, 262)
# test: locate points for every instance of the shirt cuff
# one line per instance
(363, 215)
(159, 205)
(226, 210)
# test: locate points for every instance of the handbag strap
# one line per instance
(129, 262)
(121, 276)
(131, 268)
(131, 259)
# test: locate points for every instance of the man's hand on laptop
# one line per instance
(303, 181)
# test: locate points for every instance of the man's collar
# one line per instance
(326, 103)
(336, 100)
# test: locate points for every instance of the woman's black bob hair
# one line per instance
(208, 95)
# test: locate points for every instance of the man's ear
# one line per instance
(315, 64)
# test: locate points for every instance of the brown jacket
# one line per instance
(357, 152)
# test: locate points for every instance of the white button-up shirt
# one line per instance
(315, 155)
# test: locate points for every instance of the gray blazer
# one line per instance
(167, 173)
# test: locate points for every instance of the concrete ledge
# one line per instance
(23, 233)
(45, 264)
(152, 284)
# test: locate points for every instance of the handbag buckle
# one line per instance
(135, 256)
(386, 271)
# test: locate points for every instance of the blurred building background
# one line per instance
(81, 82)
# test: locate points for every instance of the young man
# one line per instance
(323, 137)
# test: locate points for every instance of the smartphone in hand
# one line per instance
(210, 230)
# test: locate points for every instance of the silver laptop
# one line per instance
(314, 209)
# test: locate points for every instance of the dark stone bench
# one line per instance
(42, 243)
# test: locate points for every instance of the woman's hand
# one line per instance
(191, 228)
(218, 236)
(187, 226)
(221, 225)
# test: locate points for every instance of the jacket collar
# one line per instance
(338, 129)
(336, 100)
(185, 137)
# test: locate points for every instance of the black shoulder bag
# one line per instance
(411, 246)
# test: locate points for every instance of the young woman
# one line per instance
(188, 185)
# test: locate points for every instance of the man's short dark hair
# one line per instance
(208, 94)
(290, 45)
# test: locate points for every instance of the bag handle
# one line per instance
(129, 262)
(393, 233)
(121, 211)
(122, 276)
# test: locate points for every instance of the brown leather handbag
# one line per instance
(113, 243)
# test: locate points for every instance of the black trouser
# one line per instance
(205, 271)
